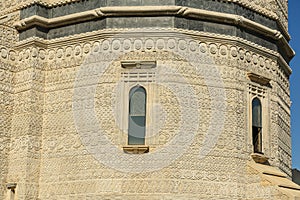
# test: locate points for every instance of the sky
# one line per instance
(294, 30)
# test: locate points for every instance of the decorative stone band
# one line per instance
(235, 48)
(141, 11)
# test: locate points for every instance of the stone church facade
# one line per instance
(140, 99)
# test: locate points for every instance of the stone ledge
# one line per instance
(11, 186)
(277, 178)
(136, 149)
(259, 158)
(139, 64)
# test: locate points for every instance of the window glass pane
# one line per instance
(137, 116)
(137, 101)
(136, 130)
(257, 139)
(256, 113)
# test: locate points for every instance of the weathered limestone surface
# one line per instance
(60, 95)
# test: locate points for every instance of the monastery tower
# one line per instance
(145, 99)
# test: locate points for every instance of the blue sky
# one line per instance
(294, 29)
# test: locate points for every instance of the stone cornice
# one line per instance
(97, 13)
(142, 11)
(244, 3)
(36, 20)
(256, 7)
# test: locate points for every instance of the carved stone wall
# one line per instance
(44, 137)
(6, 104)
(8, 37)
(64, 111)
(26, 124)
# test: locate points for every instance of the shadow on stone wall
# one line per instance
(296, 176)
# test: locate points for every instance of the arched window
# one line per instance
(257, 125)
(137, 116)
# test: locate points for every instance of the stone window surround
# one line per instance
(135, 67)
(258, 88)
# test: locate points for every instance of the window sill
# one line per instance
(259, 158)
(11, 186)
(136, 149)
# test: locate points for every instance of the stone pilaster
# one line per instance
(25, 145)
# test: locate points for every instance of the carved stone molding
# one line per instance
(258, 79)
(139, 64)
(148, 11)
(274, 9)
(235, 45)
(45, 51)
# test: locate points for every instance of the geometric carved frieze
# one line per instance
(76, 53)
(255, 90)
(125, 11)
(46, 58)
(138, 76)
